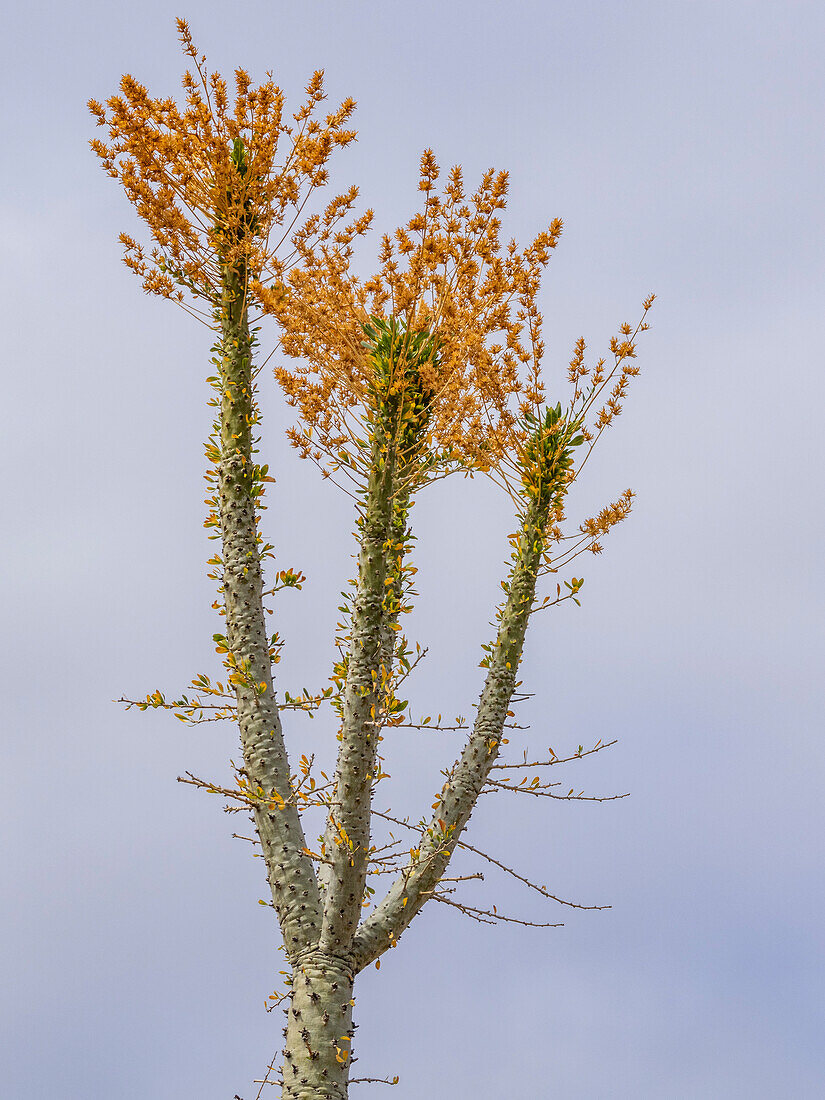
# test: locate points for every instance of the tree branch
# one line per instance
(292, 880)
(469, 774)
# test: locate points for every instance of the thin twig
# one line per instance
(537, 792)
(487, 916)
(265, 1080)
(558, 759)
(527, 882)
(509, 870)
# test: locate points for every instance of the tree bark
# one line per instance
(319, 1029)
(414, 887)
(348, 830)
(291, 876)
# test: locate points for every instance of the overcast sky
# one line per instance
(681, 142)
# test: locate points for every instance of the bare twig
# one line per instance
(460, 726)
(527, 882)
(488, 916)
(265, 1080)
(252, 840)
(508, 870)
(558, 759)
(540, 792)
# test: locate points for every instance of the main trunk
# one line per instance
(319, 1029)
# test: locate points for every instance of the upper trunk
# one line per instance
(291, 875)
(367, 672)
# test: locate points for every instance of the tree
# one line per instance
(432, 367)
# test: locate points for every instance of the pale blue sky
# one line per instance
(681, 142)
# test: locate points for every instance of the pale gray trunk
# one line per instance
(318, 1048)
(290, 873)
(348, 830)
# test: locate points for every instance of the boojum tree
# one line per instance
(430, 368)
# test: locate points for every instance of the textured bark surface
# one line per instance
(290, 873)
(319, 1028)
(348, 831)
(414, 887)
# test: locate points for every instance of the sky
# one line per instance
(681, 143)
